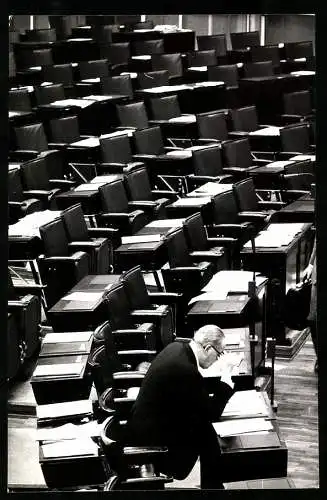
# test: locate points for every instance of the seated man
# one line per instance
(173, 408)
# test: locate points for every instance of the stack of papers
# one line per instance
(277, 235)
(30, 224)
(225, 282)
(67, 409)
(241, 426)
(68, 431)
(246, 404)
(71, 448)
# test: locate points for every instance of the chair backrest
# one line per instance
(65, 129)
(94, 69)
(113, 197)
(31, 137)
(59, 73)
(171, 62)
(138, 184)
(225, 209)
(297, 103)
(120, 84)
(118, 53)
(208, 161)
(245, 194)
(216, 42)
(300, 181)
(212, 125)
(195, 232)
(102, 33)
(135, 288)
(118, 307)
(245, 119)
(74, 222)
(41, 35)
(262, 68)
(178, 254)
(202, 58)
(153, 79)
(145, 47)
(116, 149)
(49, 93)
(149, 141)
(295, 138)
(36, 57)
(54, 239)
(227, 73)
(266, 53)
(19, 100)
(244, 39)
(164, 108)
(296, 50)
(133, 115)
(15, 188)
(34, 174)
(237, 153)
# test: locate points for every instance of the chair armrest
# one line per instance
(230, 230)
(82, 246)
(198, 254)
(238, 134)
(62, 183)
(142, 205)
(109, 233)
(65, 258)
(15, 304)
(15, 204)
(171, 195)
(166, 298)
(23, 154)
(271, 205)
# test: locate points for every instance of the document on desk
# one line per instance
(90, 142)
(183, 119)
(80, 103)
(71, 448)
(68, 431)
(220, 366)
(88, 187)
(166, 223)
(198, 68)
(267, 131)
(246, 404)
(67, 409)
(56, 337)
(100, 179)
(303, 157)
(185, 202)
(219, 294)
(277, 235)
(213, 188)
(180, 153)
(241, 426)
(91, 297)
(140, 239)
(232, 281)
(58, 370)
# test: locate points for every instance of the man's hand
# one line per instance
(307, 272)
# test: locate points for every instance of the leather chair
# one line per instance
(34, 57)
(25, 327)
(183, 276)
(145, 308)
(216, 42)
(170, 62)
(117, 85)
(19, 100)
(116, 154)
(49, 93)
(296, 50)
(257, 69)
(164, 110)
(40, 35)
(297, 107)
(118, 55)
(266, 53)
(296, 185)
(19, 204)
(32, 139)
(238, 158)
(61, 267)
(202, 247)
(90, 240)
(94, 69)
(152, 79)
(202, 58)
(208, 166)
(148, 47)
(242, 40)
(295, 139)
(37, 182)
(245, 119)
(133, 115)
(227, 73)
(212, 126)
(59, 73)
(118, 212)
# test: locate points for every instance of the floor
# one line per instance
(297, 398)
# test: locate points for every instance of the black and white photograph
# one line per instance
(162, 272)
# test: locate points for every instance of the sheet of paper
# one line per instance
(241, 426)
(232, 281)
(145, 57)
(72, 102)
(186, 202)
(84, 296)
(246, 403)
(69, 408)
(87, 187)
(73, 447)
(219, 367)
(282, 164)
(213, 188)
(166, 223)
(183, 119)
(140, 239)
(303, 157)
(90, 80)
(303, 73)
(68, 431)
(267, 131)
(180, 153)
(60, 369)
(57, 337)
(198, 68)
(209, 84)
(104, 179)
(219, 294)
(89, 142)
(30, 224)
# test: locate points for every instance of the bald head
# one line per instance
(209, 334)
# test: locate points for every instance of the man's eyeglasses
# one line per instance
(219, 353)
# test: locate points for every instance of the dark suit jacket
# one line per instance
(173, 408)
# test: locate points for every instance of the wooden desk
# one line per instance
(269, 176)
(302, 210)
(283, 266)
(160, 226)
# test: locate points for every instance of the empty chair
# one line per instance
(153, 79)
(296, 185)
(227, 73)
(117, 211)
(238, 158)
(46, 94)
(40, 35)
(245, 119)
(80, 237)
(19, 100)
(19, 204)
(216, 42)
(170, 62)
(164, 108)
(295, 138)
(31, 137)
(202, 58)
(266, 53)
(149, 47)
(208, 166)
(242, 40)
(117, 85)
(59, 73)
(297, 106)
(212, 125)
(133, 115)
(117, 53)
(257, 69)
(65, 130)
(115, 150)
(149, 141)
(297, 50)
(94, 69)
(35, 57)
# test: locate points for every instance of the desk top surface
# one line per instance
(284, 249)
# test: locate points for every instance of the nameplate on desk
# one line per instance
(242, 426)
(66, 409)
(71, 448)
(67, 337)
(80, 103)
(140, 239)
(58, 370)
(89, 297)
